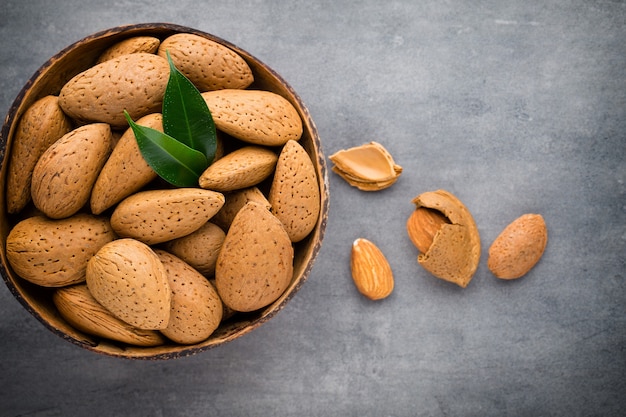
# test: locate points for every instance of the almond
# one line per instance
(235, 200)
(196, 308)
(125, 171)
(54, 253)
(371, 272)
(454, 253)
(64, 175)
(78, 307)
(129, 280)
(147, 44)
(200, 248)
(40, 126)
(519, 247)
(242, 168)
(369, 167)
(132, 82)
(254, 116)
(208, 64)
(156, 216)
(255, 265)
(423, 225)
(294, 194)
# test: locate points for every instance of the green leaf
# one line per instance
(186, 115)
(172, 160)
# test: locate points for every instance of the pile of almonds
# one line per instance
(441, 228)
(128, 257)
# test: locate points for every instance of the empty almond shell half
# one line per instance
(369, 167)
(454, 252)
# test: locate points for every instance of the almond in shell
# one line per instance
(40, 126)
(136, 44)
(54, 253)
(242, 168)
(208, 64)
(255, 265)
(294, 194)
(200, 248)
(125, 171)
(132, 82)
(235, 200)
(196, 309)
(129, 280)
(453, 249)
(519, 247)
(78, 307)
(254, 116)
(64, 175)
(156, 216)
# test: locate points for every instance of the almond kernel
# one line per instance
(371, 272)
(423, 225)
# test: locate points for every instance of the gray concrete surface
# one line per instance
(513, 106)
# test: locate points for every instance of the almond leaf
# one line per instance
(171, 159)
(186, 115)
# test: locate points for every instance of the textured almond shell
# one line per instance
(519, 247)
(78, 307)
(242, 168)
(136, 44)
(455, 252)
(156, 216)
(254, 116)
(129, 280)
(369, 167)
(196, 308)
(125, 171)
(200, 248)
(235, 200)
(207, 64)
(371, 271)
(64, 175)
(294, 194)
(40, 126)
(255, 265)
(132, 82)
(54, 253)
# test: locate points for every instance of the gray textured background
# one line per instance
(514, 106)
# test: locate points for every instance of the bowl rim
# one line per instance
(177, 351)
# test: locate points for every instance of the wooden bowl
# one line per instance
(48, 80)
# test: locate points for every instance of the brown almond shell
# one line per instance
(42, 124)
(125, 171)
(294, 194)
(455, 252)
(519, 247)
(78, 307)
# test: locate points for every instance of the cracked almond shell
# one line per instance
(455, 251)
(369, 167)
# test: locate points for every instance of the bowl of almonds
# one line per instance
(162, 192)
